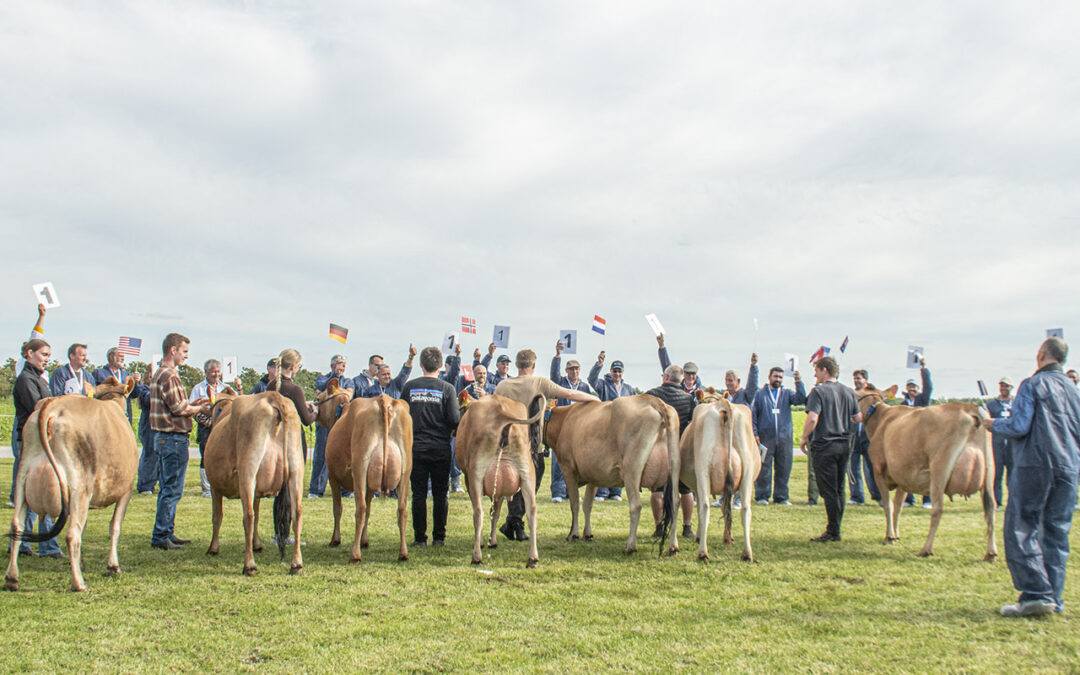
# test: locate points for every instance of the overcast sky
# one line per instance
(246, 173)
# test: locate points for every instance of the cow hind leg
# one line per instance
(247, 497)
(476, 496)
(528, 492)
(402, 515)
(79, 511)
(989, 506)
(937, 502)
(574, 498)
(362, 504)
(898, 505)
(215, 521)
(296, 482)
(703, 520)
(586, 509)
(256, 542)
(11, 578)
(633, 493)
(496, 509)
(113, 565)
(747, 500)
(335, 494)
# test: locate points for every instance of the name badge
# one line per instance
(1005, 413)
(776, 411)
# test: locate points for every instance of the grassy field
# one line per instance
(853, 606)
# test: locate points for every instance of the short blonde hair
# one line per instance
(526, 358)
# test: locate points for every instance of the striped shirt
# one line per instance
(167, 401)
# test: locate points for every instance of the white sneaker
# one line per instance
(312, 495)
(556, 500)
(147, 492)
(10, 504)
(459, 489)
(718, 503)
(598, 499)
(928, 506)
(763, 502)
(1029, 608)
(616, 498)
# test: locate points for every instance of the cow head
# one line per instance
(708, 395)
(220, 402)
(331, 403)
(112, 390)
(870, 396)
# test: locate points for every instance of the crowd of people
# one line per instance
(1036, 435)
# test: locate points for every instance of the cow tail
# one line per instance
(536, 408)
(44, 424)
(668, 518)
(384, 407)
(283, 499)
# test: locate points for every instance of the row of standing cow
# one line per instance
(80, 453)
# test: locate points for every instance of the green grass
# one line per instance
(848, 607)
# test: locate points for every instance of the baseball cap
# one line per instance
(573, 363)
(1005, 380)
(913, 382)
(617, 364)
(690, 367)
(503, 359)
(271, 362)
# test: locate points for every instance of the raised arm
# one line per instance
(927, 383)
(752, 377)
(800, 392)
(662, 352)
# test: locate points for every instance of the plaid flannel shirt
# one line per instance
(167, 401)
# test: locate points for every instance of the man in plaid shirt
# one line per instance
(170, 418)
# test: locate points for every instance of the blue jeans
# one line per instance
(455, 470)
(46, 547)
(779, 453)
(606, 493)
(558, 483)
(317, 485)
(860, 466)
(172, 452)
(1037, 522)
(148, 464)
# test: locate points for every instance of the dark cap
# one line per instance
(690, 367)
(271, 362)
(617, 364)
(503, 359)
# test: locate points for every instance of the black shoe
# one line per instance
(178, 541)
(419, 543)
(507, 532)
(166, 545)
(659, 531)
(519, 533)
(825, 537)
(438, 542)
(687, 532)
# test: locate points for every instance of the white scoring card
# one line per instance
(501, 337)
(449, 342)
(46, 295)
(569, 341)
(654, 323)
(791, 364)
(229, 369)
(914, 354)
(1055, 332)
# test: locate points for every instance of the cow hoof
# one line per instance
(572, 537)
(211, 551)
(588, 537)
(673, 550)
(404, 557)
(334, 543)
(633, 549)
(112, 570)
(256, 549)
(477, 561)
(364, 544)
(11, 584)
(296, 570)
(748, 557)
(249, 571)
(703, 557)
(354, 561)
(889, 541)
(925, 554)
(493, 545)
(729, 541)
(78, 589)
(990, 557)
(531, 564)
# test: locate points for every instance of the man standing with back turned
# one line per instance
(1045, 425)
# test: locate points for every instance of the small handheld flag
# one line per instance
(468, 325)
(843, 345)
(982, 389)
(599, 324)
(467, 374)
(821, 353)
(129, 346)
(339, 333)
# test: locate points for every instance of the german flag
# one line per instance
(338, 333)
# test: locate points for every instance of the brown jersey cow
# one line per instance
(719, 456)
(494, 453)
(78, 454)
(632, 441)
(369, 450)
(941, 450)
(254, 451)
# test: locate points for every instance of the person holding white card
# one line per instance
(913, 398)
(72, 378)
(691, 381)
(772, 428)
(609, 388)
(998, 408)
(385, 383)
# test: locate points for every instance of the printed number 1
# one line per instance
(566, 339)
(47, 295)
(500, 335)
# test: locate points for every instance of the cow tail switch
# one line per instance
(384, 405)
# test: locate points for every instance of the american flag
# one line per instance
(468, 325)
(129, 346)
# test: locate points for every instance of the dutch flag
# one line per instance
(599, 325)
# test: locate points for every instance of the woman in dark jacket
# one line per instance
(289, 362)
(30, 387)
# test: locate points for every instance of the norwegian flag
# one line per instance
(468, 325)
(599, 324)
(821, 353)
(129, 346)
